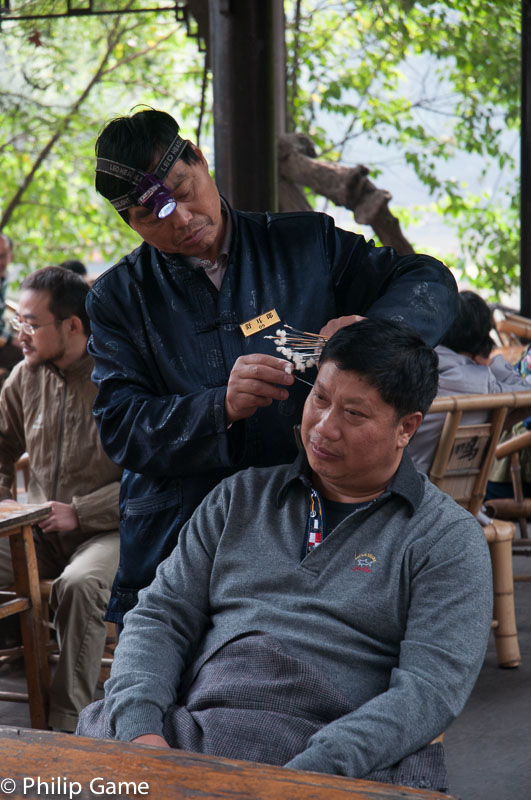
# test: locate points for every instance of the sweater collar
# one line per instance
(406, 483)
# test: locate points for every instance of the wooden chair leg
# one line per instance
(45, 587)
(108, 654)
(506, 635)
(516, 479)
(35, 660)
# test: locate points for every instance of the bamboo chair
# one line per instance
(518, 507)
(512, 327)
(514, 332)
(461, 467)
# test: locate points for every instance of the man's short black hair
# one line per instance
(68, 293)
(470, 330)
(392, 358)
(138, 140)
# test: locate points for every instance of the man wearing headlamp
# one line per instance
(185, 398)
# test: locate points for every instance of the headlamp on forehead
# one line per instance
(156, 196)
(149, 189)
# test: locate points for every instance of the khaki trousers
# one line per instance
(80, 593)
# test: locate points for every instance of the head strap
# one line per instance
(134, 176)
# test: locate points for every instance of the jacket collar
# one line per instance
(79, 369)
(406, 483)
(190, 262)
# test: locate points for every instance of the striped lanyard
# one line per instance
(315, 525)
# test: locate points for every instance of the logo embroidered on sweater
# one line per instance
(363, 562)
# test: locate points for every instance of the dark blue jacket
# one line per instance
(164, 341)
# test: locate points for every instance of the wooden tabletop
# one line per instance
(13, 513)
(74, 766)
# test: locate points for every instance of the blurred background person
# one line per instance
(466, 366)
(10, 352)
(46, 411)
(75, 266)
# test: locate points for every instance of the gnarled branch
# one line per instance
(345, 186)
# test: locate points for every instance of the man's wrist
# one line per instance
(139, 721)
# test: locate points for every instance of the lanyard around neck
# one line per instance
(315, 526)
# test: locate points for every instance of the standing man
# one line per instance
(189, 388)
(10, 353)
(46, 409)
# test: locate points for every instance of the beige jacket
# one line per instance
(48, 413)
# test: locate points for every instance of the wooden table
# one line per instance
(74, 766)
(16, 521)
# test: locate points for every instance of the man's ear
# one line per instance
(74, 325)
(199, 154)
(407, 427)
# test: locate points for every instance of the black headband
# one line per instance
(134, 176)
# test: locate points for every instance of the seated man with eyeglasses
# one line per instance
(46, 410)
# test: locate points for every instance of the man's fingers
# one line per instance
(248, 393)
(262, 358)
(255, 381)
(248, 402)
(243, 411)
(272, 371)
(266, 374)
(258, 388)
(334, 325)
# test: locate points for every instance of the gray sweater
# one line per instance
(394, 607)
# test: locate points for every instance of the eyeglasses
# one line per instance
(26, 327)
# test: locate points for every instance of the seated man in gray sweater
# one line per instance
(329, 615)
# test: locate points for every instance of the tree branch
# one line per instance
(345, 186)
(137, 54)
(114, 37)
